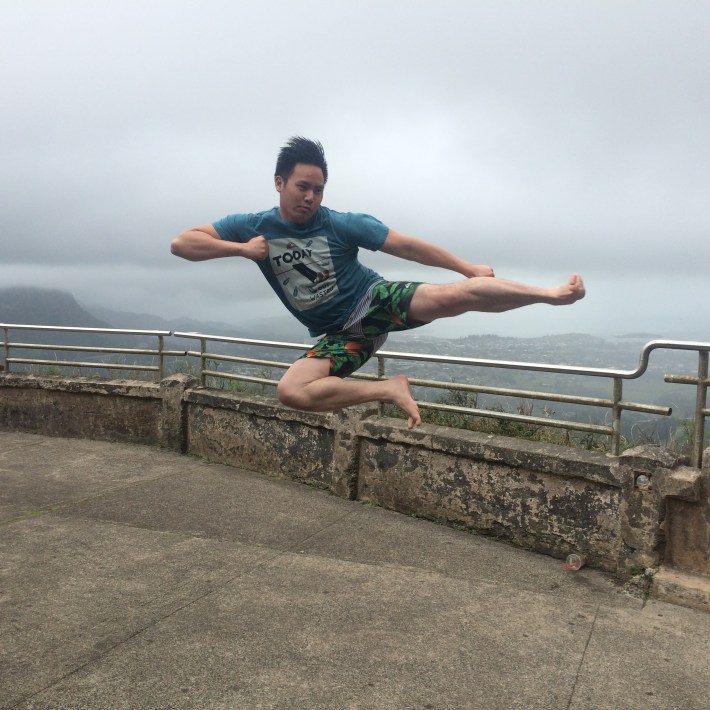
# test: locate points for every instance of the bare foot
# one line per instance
(401, 395)
(568, 293)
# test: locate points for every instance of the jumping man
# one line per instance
(309, 255)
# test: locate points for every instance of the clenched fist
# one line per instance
(256, 249)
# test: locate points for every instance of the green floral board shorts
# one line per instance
(350, 350)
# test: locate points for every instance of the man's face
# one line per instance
(300, 196)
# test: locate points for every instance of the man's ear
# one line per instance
(279, 182)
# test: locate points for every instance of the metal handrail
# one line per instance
(504, 364)
(615, 403)
(160, 352)
(561, 369)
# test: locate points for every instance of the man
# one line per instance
(308, 254)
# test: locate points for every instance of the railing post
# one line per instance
(203, 361)
(700, 402)
(161, 358)
(616, 417)
(381, 376)
(6, 348)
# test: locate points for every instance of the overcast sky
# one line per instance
(541, 137)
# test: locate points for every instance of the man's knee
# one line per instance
(293, 390)
(295, 393)
(292, 395)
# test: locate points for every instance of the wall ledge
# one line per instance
(517, 453)
(682, 588)
(261, 405)
(82, 385)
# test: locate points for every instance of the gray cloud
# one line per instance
(542, 138)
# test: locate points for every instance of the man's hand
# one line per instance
(479, 270)
(256, 249)
(425, 253)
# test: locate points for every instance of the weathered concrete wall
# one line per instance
(685, 576)
(257, 433)
(688, 524)
(552, 499)
(81, 408)
(641, 510)
(173, 411)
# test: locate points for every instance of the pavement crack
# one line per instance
(582, 659)
(69, 502)
(15, 447)
(102, 649)
(304, 540)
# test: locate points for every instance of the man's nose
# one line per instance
(309, 196)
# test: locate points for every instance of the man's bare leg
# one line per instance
(307, 385)
(488, 295)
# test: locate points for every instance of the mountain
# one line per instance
(37, 306)
(279, 328)
(25, 305)
(54, 307)
(21, 305)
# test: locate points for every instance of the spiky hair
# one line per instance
(300, 150)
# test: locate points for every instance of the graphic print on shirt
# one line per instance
(304, 268)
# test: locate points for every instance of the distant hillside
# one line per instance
(28, 305)
(54, 307)
(280, 328)
(38, 306)
(24, 305)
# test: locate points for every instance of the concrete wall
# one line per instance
(81, 408)
(640, 511)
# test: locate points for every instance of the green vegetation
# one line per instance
(229, 384)
(679, 439)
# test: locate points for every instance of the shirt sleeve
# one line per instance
(235, 228)
(366, 231)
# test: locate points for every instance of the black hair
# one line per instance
(300, 150)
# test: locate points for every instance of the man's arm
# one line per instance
(425, 253)
(202, 243)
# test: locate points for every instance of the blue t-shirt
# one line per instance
(313, 268)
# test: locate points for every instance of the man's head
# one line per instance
(301, 174)
(300, 150)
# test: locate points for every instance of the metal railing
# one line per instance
(615, 403)
(209, 361)
(159, 352)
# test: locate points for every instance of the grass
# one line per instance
(679, 439)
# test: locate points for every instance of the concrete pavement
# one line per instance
(132, 577)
